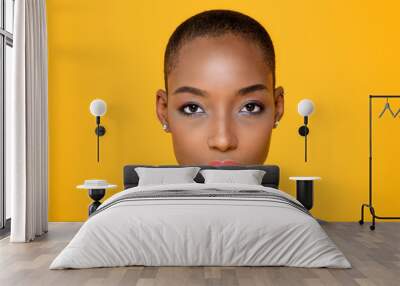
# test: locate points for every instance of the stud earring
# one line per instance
(276, 123)
(165, 126)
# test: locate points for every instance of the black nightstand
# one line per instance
(96, 192)
(305, 190)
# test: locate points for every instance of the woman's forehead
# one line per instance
(219, 62)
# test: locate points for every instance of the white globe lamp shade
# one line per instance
(305, 107)
(98, 107)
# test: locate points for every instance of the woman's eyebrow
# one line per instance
(251, 88)
(190, 89)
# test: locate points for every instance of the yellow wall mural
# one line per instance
(335, 53)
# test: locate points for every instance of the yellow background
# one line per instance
(335, 53)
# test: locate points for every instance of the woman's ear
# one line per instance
(161, 106)
(279, 102)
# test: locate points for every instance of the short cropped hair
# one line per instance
(216, 23)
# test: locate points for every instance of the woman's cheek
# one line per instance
(255, 139)
(187, 133)
(189, 144)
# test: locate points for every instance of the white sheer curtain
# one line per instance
(26, 124)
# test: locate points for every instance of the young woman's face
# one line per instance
(221, 103)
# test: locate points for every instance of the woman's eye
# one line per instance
(252, 108)
(192, 108)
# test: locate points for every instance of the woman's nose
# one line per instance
(222, 136)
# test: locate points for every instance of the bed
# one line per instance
(201, 224)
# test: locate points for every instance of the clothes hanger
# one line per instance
(398, 111)
(387, 106)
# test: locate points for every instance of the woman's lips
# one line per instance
(223, 163)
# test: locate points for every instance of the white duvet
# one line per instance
(200, 231)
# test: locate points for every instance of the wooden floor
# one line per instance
(375, 257)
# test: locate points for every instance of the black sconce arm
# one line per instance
(303, 131)
(100, 131)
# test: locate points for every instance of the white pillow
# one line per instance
(249, 177)
(161, 176)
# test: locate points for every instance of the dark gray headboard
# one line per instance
(270, 179)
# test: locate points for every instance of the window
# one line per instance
(6, 60)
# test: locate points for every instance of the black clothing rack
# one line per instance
(369, 205)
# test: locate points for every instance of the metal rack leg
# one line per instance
(371, 208)
(361, 221)
(372, 211)
(374, 216)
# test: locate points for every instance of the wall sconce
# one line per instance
(98, 108)
(305, 108)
